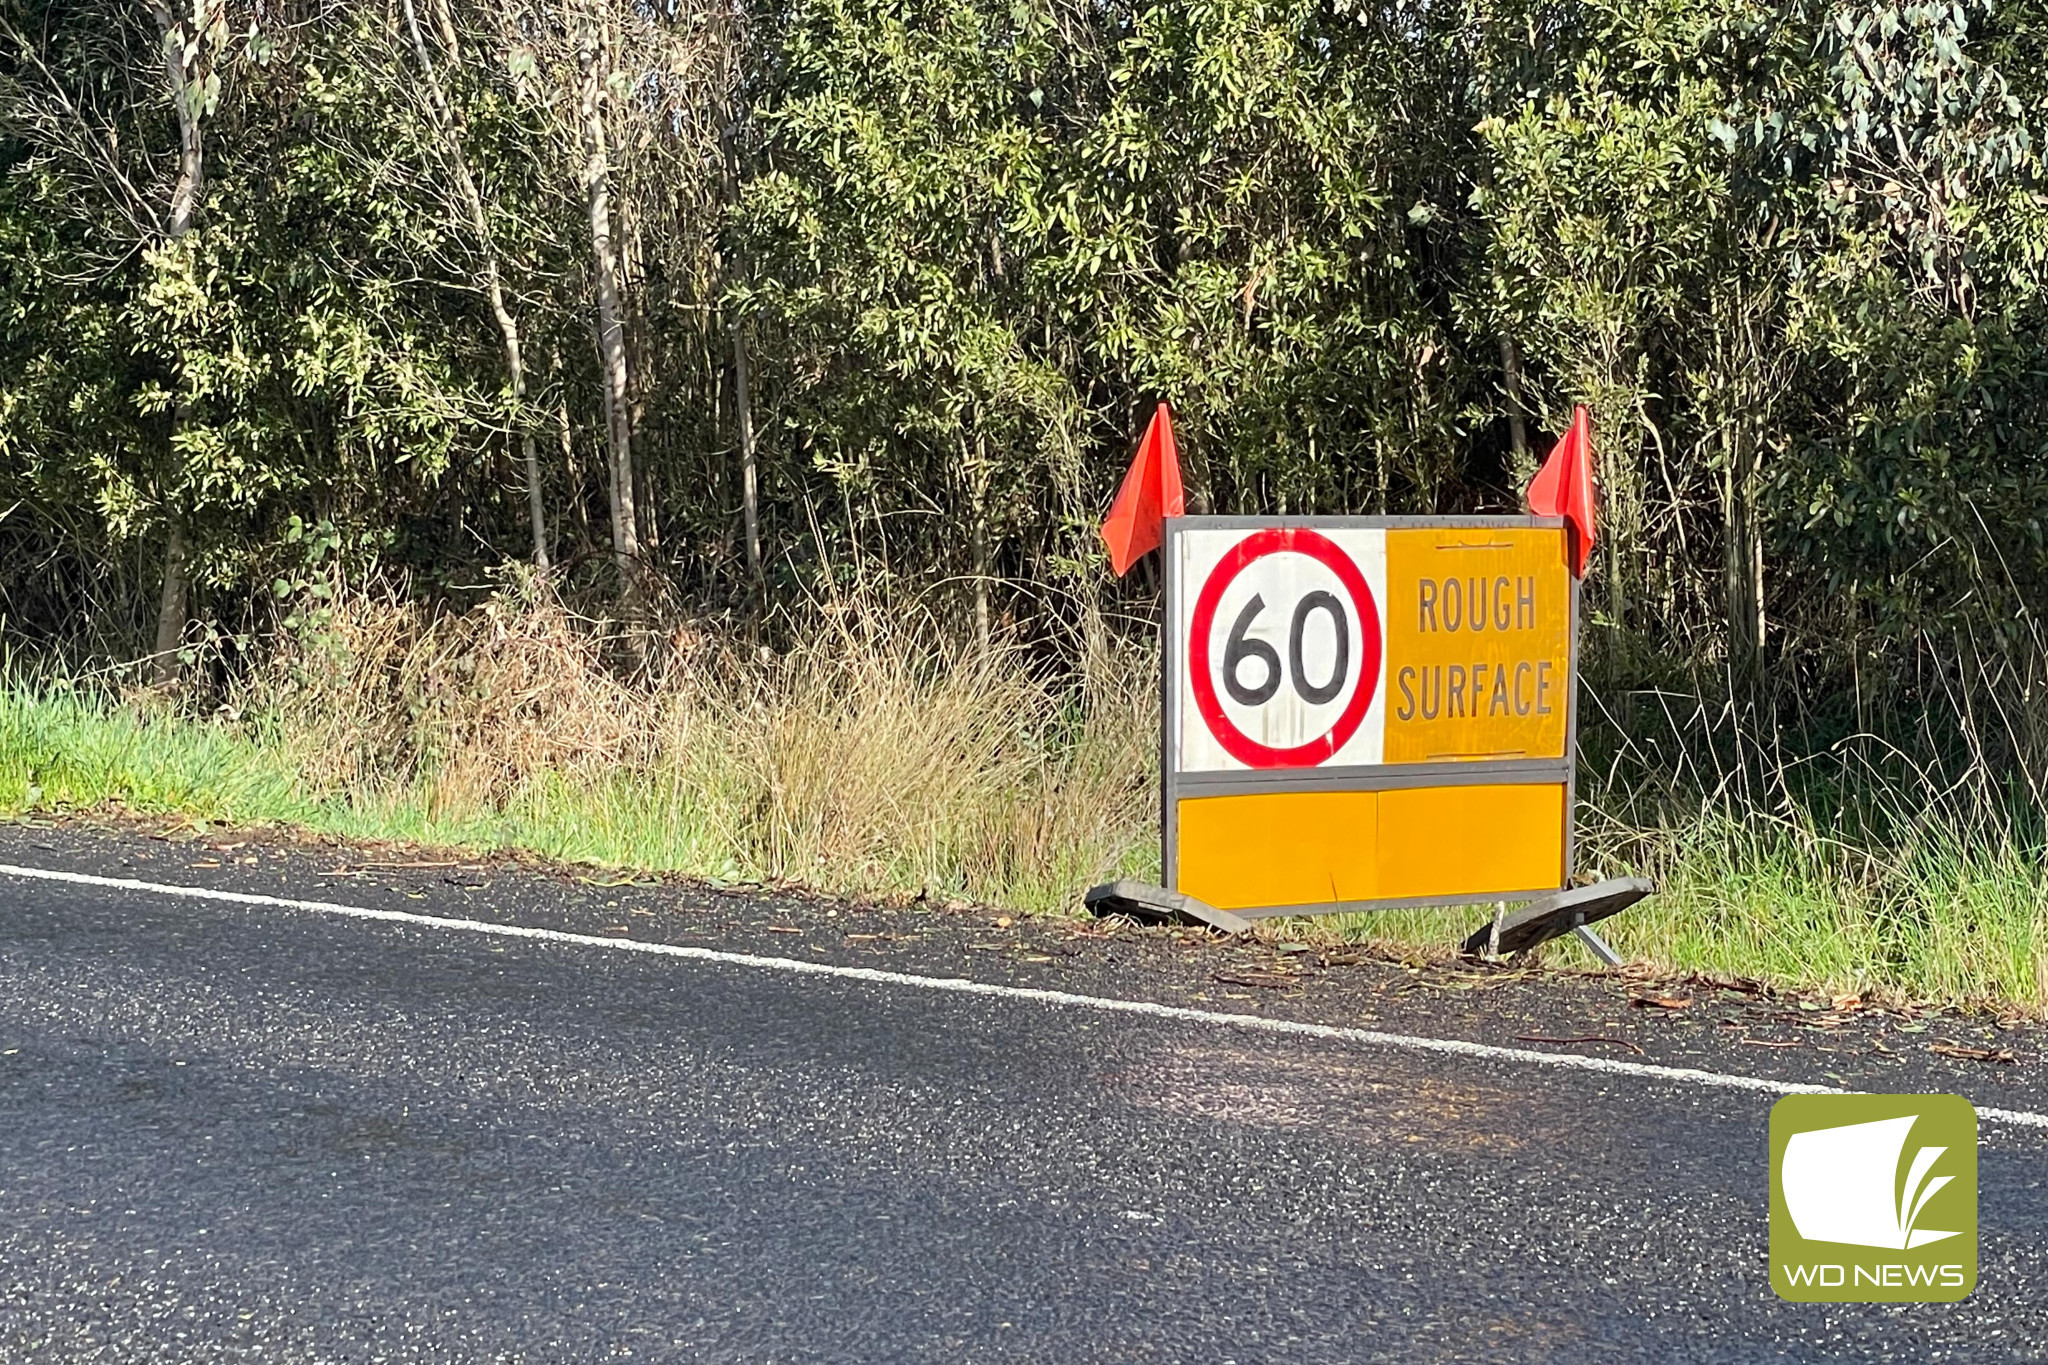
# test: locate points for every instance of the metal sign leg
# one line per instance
(1598, 945)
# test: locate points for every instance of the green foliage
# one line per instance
(1792, 254)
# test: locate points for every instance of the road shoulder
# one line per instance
(1732, 1027)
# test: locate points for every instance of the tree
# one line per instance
(449, 135)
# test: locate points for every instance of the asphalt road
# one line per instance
(246, 1133)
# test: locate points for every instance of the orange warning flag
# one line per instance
(1150, 494)
(1564, 488)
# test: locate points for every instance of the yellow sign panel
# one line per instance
(1309, 848)
(1478, 644)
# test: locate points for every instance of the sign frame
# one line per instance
(1174, 785)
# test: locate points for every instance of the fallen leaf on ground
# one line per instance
(1974, 1054)
(1268, 981)
(1846, 1003)
(1662, 1002)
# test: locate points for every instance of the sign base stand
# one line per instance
(1566, 912)
(1144, 901)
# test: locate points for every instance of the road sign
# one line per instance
(1367, 712)
(1283, 641)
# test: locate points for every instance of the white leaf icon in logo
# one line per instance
(1842, 1185)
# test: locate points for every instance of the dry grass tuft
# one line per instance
(866, 765)
(866, 760)
(476, 703)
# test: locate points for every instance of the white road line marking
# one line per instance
(963, 986)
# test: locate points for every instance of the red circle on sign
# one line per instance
(1302, 541)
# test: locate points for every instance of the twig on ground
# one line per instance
(1587, 1038)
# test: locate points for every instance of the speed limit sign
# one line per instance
(1366, 711)
(1283, 645)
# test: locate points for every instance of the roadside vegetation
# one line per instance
(863, 762)
(673, 434)
(873, 762)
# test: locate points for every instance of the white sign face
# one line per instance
(1280, 644)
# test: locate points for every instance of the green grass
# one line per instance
(1934, 913)
(61, 750)
(1931, 915)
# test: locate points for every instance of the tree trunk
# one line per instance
(727, 116)
(1617, 462)
(979, 550)
(494, 287)
(577, 502)
(170, 615)
(185, 60)
(536, 509)
(1522, 467)
(977, 544)
(611, 336)
(1616, 582)
(750, 491)
(446, 17)
(1742, 556)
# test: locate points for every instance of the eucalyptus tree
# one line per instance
(69, 119)
(450, 131)
(624, 99)
(1254, 214)
(894, 271)
(199, 390)
(1599, 207)
(1923, 309)
(991, 234)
